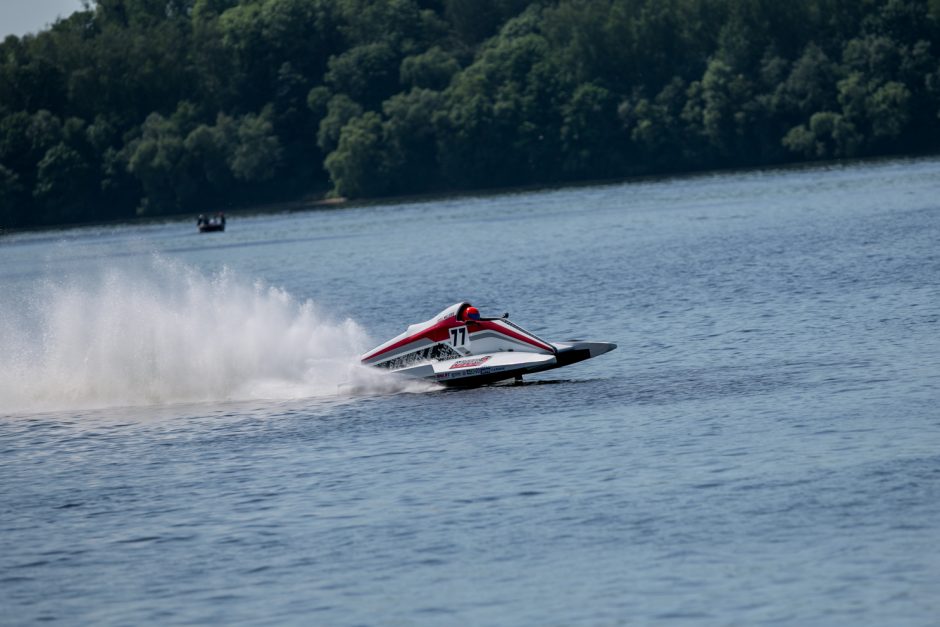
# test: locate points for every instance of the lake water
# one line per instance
(179, 442)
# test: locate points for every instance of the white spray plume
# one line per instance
(170, 334)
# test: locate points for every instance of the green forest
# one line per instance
(149, 107)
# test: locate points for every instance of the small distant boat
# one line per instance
(210, 225)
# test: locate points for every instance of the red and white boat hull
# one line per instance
(453, 349)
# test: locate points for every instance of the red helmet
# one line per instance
(471, 313)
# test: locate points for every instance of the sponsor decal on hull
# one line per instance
(470, 363)
(469, 374)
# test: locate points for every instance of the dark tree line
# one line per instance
(145, 107)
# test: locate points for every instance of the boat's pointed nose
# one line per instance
(599, 348)
(578, 350)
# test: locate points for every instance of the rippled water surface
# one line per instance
(185, 436)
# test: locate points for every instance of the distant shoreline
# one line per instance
(306, 204)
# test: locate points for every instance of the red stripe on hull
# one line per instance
(492, 326)
(441, 332)
(437, 333)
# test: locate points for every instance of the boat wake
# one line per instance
(168, 333)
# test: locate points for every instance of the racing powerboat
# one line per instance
(458, 347)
